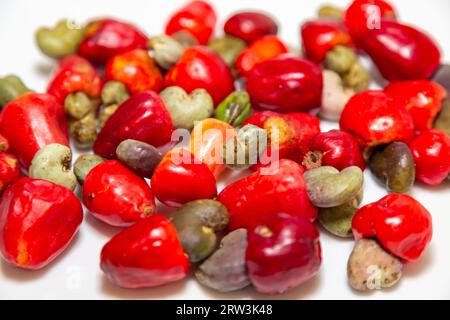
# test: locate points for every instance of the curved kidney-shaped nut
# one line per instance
(84, 164)
(334, 96)
(139, 156)
(167, 51)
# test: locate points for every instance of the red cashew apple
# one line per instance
(250, 25)
(38, 219)
(147, 254)
(399, 222)
(9, 170)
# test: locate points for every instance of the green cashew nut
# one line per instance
(228, 48)
(114, 92)
(11, 87)
(235, 109)
(78, 105)
(84, 131)
(340, 59)
(166, 51)
(443, 119)
(329, 11)
(84, 164)
(105, 113)
(52, 163)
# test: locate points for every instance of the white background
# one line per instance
(76, 274)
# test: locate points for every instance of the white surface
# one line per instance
(76, 274)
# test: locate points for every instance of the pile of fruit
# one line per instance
(124, 94)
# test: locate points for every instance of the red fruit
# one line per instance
(374, 118)
(431, 152)
(282, 253)
(4, 144)
(75, 74)
(260, 50)
(9, 170)
(399, 222)
(180, 178)
(279, 188)
(198, 18)
(334, 148)
(147, 254)
(422, 98)
(319, 37)
(106, 38)
(32, 121)
(199, 67)
(117, 196)
(250, 25)
(38, 219)
(401, 52)
(286, 84)
(143, 117)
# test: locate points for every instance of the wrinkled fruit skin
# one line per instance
(282, 253)
(431, 152)
(281, 189)
(286, 84)
(422, 98)
(176, 182)
(399, 222)
(374, 118)
(250, 25)
(38, 219)
(32, 121)
(401, 52)
(136, 70)
(143, 117)
(200, 67)
(198, 18)
(108, 37)
(9, 170)
(147, 254)
(115, 195)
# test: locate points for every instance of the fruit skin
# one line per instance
(422, 98)
(401, 52)
(198, 18)
(115, 195)
(286, 84)
(106, 38)
(399, 222)
(9, 170)
(374, 118)
(281, 188)
(38, 219)
(147, 254)
(75, 74)
(200, 67)
(143, 117)
(4, 144)
(250, 25)
(320, 36)
(136, 70)
(282, 253)
(180, 178)
(32, 121)
(431, 152)
(262, 49)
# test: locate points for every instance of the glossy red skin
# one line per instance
(200, 67)
(296, 131)
(374, 118)
(401, 52)
(143, 117)
(259, 196)
(38, 219)
(286, 84)
(136, 70)
(115, 195)
(175, 183)
(320, 36)
(250, 25)
(198, 18)
(338, 149)
(422, 98)
(431, 152)
(399, 222)
(147, 254)
(262, 49)
(282, 253)
(9, 170)
(4, 144)
(75, 74)
(32, 121)
(106, 38)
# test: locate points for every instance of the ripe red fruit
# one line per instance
(115, 195)
(147, 254)
(286, 84)
(9, 170)
(431, 152)
(283, 252)
(250, 25)
(399, 222)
